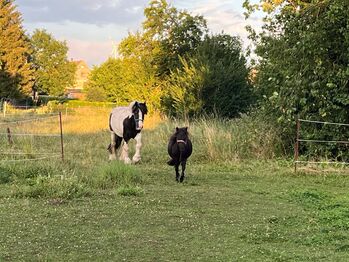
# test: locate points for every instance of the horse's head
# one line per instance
(139, 110)
(181, 134)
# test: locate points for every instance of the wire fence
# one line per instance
(31, 139)
(320, 141)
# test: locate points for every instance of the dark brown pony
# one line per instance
(179, 148)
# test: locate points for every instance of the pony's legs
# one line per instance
(137, 156)
(177, 171)
(183, 163)
(124, 154)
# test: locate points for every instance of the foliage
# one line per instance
(177, 32)
(303, 68)
(16, 72)
(122, 81)
(54, 72)
(212, 81)
(167, 35)
(184, 89)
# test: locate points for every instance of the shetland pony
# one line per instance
(126, 123)
(179, 148)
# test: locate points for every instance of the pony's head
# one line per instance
(181, 134)
(139, 110)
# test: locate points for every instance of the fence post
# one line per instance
(4, 108)
(9, 137)
(296, 147)
(61, 131)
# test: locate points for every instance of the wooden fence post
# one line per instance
(4, 108)
(296, 148)
(9, 137)
(61, 131)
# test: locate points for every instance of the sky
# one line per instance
(91, 28)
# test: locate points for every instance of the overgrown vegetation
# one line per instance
(302, 69)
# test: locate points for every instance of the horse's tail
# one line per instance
(111, 129)
(181, 151)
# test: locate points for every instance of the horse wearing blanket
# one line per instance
(126, 123)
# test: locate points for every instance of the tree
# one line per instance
(184, 89)
(121, 81)
(54, 72)
(16, 73)
(227, 91)
(304, 61)
(167, 35)
(214, 80)
(178, 33)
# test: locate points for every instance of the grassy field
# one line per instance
(235, 205)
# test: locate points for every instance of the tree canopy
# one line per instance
(53, 71)
(197, 73)
(304, 60)
(16, 72)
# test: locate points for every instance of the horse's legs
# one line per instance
(177, 171)
(183, 163)
(112, 146)
(137, 156)
(124, 153)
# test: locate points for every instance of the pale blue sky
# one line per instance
(90, 27)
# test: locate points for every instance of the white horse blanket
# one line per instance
(118, 116)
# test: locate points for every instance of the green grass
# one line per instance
(231, 207)
(247, 212)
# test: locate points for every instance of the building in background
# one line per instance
(81, 77)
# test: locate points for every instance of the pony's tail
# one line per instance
(171, 162)
(181, 151)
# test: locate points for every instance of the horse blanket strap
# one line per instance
(181, 141)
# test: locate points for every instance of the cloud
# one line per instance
(90, 26)
(82, 11)
(224, 16)
(92, 52)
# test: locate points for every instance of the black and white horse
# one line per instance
(179, 148)
(126, 123)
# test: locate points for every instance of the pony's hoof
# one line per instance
(181, 179)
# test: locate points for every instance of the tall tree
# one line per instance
(167, 34)
(16, 72)
(304, 61)
(54, 72)
(213, 80)
(177, 31)
(121, 81)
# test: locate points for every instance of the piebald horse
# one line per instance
(126, 123)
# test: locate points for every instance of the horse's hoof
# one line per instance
(127, 161)
(136, 160)
(112, 157)
(181, 179)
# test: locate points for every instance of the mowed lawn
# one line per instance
(233, 205)
(230, 212)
